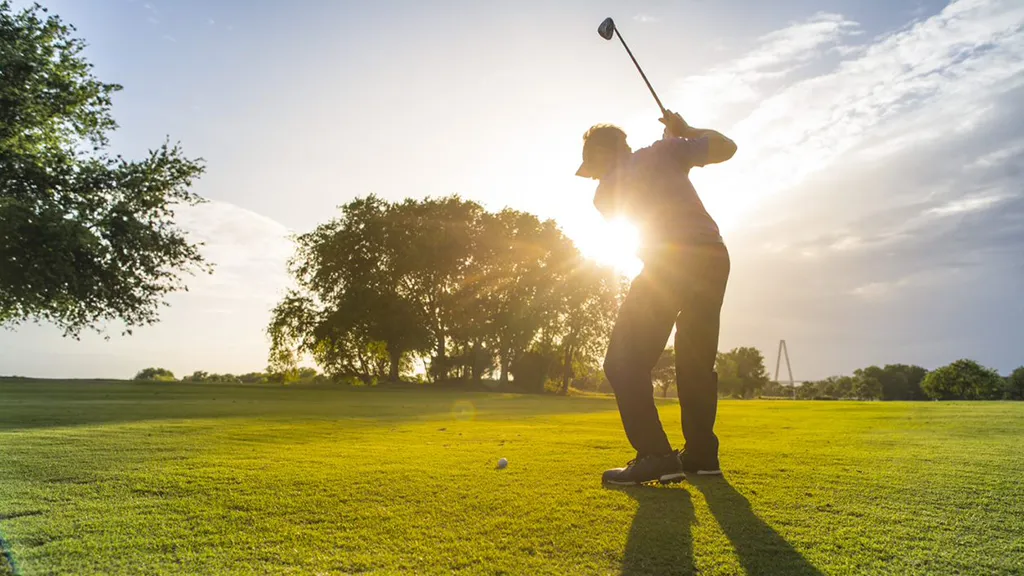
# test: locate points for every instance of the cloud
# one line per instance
(933, 80)
(646, 18)
(778, 55)
(876, 205)
(249, 250)
(154, 14)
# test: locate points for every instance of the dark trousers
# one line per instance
(681, 286)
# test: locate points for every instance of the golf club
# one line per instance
(606, 29)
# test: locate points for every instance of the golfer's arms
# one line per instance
(720, 148)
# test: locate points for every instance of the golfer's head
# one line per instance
(604, 146)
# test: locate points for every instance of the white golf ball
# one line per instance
(502, 463)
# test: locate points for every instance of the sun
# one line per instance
(612, 243)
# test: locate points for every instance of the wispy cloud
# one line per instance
(934, 80)
(873, 186)
(777, 56)
(250, 251)
(154, 14)
(964, 205)
(646, 18)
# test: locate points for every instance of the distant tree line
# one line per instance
(963, 379)
(742, 374)
(299, 375)
(441, 283)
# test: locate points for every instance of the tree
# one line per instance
(963, 380)
(155, 375)
(383, 284)
(664, 373)
(533, 368)
(520, 288)
(899, 381)
(253, 378)
(350, 312)
(434, 242)
(741, 372)
(867, 387)
(587, 302)
(85, 238)
(197, 376)
(1015, 385)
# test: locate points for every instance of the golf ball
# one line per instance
(502, 463)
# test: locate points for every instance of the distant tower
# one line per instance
(783, 350)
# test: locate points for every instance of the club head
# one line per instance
(606, 29)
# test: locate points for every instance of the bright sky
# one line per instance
(874, 210)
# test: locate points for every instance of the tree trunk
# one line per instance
(442, 370)
(396, 360)
(566, 370)
(504, 372)
(474, 363)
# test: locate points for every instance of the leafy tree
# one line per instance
(521, 289)
(383, 284)
(433, 242)
(534, 368)
(899, 381)
(253, 378)
(1015, 385)
(808, 391)
(587, 301)
(350, 312)
(664, 373)
(85, 238)
(867, 387)
(155, 374)
(774, 389)
(741, 372)
(963, 380)
(197, 376)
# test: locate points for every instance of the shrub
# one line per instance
(155, 375)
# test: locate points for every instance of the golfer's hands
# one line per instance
(675, 126)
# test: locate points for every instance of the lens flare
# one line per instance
(463, 410)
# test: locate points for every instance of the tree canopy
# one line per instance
(85, 237)
(741, 372)
(964, 379)
(441, 280)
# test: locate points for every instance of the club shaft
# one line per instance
(641, 70)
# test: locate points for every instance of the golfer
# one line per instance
(686, 268)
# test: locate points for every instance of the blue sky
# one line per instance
(874, 211)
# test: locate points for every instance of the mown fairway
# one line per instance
(119, 478)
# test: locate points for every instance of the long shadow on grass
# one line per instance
(760, 548)
(659, 541)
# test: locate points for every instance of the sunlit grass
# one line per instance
(171, 479)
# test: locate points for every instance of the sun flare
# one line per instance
(612, 243)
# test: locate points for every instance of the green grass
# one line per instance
(120, 478)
